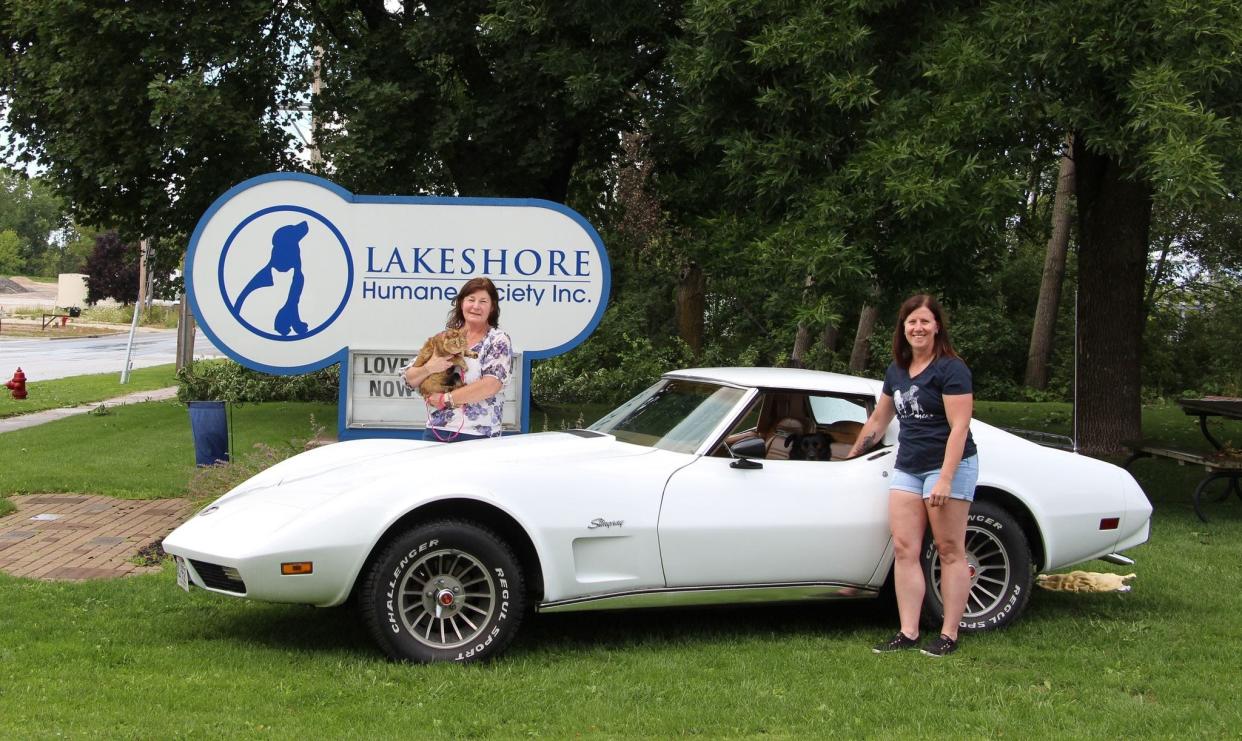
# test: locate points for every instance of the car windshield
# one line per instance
(672, 415)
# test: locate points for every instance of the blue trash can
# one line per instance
(210, 426)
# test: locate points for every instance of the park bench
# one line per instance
(1216, 466)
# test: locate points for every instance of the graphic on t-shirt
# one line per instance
(908, 403)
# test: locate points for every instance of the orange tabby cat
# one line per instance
(451, 343)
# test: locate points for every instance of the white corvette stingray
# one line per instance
(714, 486)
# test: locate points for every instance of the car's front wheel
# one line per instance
(1001, 574)
(444, 591)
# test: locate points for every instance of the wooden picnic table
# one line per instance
(1217, 464)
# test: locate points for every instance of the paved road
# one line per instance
(43, 360)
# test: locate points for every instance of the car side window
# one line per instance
(829, 409)
(795, 425)
(747, 428)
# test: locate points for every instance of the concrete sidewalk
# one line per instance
(23, 421)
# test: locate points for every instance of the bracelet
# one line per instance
(448, 399)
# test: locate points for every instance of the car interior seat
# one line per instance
(779, 444)
(842, 435)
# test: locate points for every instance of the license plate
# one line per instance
(183, 574)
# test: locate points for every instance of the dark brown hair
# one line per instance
(902, 354)
(457, 320)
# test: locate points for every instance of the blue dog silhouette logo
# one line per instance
(286, 255)
(294, 269)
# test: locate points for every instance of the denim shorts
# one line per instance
(963, 486)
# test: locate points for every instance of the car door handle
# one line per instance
(880, 454)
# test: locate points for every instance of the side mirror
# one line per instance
(745, 450)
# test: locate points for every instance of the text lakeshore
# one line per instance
(521, 276)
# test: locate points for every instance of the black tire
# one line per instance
(1002, 573)
(466, 571)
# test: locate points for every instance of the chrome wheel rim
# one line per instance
(990, 572)
(446, 599)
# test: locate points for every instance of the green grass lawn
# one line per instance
(138, 657)
(137, 451)
(78, 390)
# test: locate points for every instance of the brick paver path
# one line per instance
(77, 537)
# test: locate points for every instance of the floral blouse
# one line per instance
(483, 417)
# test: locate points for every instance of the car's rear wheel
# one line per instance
(444, 591)
(1001, 574)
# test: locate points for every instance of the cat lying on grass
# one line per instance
(1084, 581)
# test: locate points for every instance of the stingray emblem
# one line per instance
(294, 271)
(599, 522)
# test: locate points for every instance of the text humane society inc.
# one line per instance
(383, 290)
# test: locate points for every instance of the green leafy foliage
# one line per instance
(226, 380)
(481, 97)
(144, 113)
(10, 253)
(112, 270)
(30, 210)
(1192, 341)
(808, 156)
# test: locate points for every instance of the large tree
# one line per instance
(788, 137)
(482, 97)
(142, 113)
(1152, 93)
(901, 130)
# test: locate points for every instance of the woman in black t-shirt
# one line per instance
(928, 388)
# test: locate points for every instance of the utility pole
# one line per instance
(143, 290)
(316, 158)
(185, 328)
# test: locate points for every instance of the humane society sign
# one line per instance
(288, 273)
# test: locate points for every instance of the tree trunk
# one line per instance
(1157, 278)
(1114, 219)
(1027, 214)
(185, 334)
(691, 292)
(1040, 349)
(866, 326)
(829, 338)
(802, 339)
(802, 343)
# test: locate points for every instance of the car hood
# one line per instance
(314, 477)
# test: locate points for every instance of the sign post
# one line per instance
(288, 273)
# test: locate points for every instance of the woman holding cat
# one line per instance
(472, 411)
(928, 388)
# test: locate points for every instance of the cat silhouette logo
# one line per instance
(285, 273)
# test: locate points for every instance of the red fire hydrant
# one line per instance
(18, 384)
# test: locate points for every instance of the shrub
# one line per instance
(226, 380)
(584, 377)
